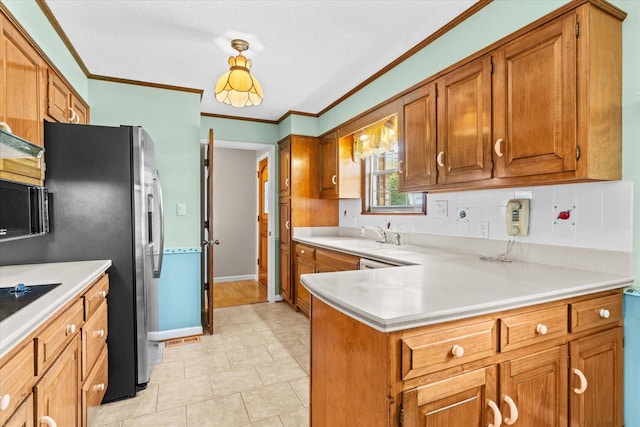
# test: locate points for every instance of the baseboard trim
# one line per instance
(235, 278)
(174, 333)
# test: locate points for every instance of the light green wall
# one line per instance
(172, 119)
(238, 130)
(28, 13)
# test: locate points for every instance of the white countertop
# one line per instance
(72, 276)
(441, 286)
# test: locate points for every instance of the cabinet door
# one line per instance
(21, 84)
(598, 361)
(463, 400)
(58, 98)
(285, 168)
(303, 298)
(23, 416)
(58, 392)
(285, 221)
(81, 110)
(285, 273)
(535, 102)
(329, 166)
(464, 123)
(417, 140)
(537, 384)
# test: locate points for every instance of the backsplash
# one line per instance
(597, 215)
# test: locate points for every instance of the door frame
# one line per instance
(271, 227)
(260, 192)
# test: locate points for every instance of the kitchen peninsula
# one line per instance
(457, 338)
(53, 352)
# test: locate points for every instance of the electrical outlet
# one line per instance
(441, 209)
(484, 229)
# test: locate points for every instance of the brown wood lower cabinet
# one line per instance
(310, 259)
(462, 373)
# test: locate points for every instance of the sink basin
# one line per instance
(359, 244)
(10, 301)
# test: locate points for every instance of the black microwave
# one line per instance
(24, 210)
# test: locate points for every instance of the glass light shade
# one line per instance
(237, 87)
(378, 138)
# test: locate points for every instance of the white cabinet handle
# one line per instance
(302, 251)
(498, 148)
(75, 118)
(98, 387)
(439, 159)
(286, 182)
(99, 333)
(5, 127)
(48, 421)
(70, 329)
(334, 179)
(583, 382)
(513, 411)
(102, 294)
(5, 400)
(457, 351)
(287, 225)
(541, 329)
(604, 313)
(497, 416)
(400, 163)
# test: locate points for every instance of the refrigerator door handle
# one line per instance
(157, 269)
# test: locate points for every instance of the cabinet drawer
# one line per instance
(531, 328)
(94, 338)
(52, 340)
(305, 251)
(338, 261)
(23, 417)
(16, 379)
(95, 387)
(94, 296)
(445, 348)
(596, 312)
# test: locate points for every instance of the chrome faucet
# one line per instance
(396, 236)
(382, 235)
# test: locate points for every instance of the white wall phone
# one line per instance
(518, 217)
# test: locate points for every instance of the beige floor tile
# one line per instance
(172, 418)
(295, 347)
(143, 403)
(249, 357)
(167, 372)
(234, 381)
(270, 422)
(181, 393)
(227, 411)
(222, 343)
(279, 351)
(270, 400)
(205, 365)
(260, 338)
(301, 387)
(304, 361)
(282, 370)
(299, 418)
(181, 352)
(234, 330)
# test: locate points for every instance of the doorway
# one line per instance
(262, 249)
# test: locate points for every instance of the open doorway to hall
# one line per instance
(240, 225)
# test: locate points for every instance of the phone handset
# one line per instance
(518, 217)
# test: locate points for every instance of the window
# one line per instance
(381, 187)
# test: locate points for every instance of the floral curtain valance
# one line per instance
(377, 139)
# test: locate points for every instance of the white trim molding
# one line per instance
(174, 333)
(235, 278)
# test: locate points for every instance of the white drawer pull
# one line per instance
(513, 411)
(98, 387)
(99, 333)
(604, 313)
(70, 329)
(583, 382)
(5, 400)
(457, 351)
(48, 421)
(497, 147)
(541, 329)
(301, 251)
(497, 416)
(102, 294)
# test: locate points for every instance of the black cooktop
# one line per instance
(16, 298)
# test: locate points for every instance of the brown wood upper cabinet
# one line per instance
(542, 106)
(339, 172)
(62, 104)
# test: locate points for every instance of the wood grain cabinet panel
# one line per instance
(284, 161)
(339, 172)
(530, 328)
(336, 261)
(94, 339)
(96, 296)
(62, 104)
(16, 379)
(596, 312)
(94, 388)
(55, 336)
(23, 416)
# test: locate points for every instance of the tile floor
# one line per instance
(254, 371)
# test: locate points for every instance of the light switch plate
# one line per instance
(181, 209)
(441, 209)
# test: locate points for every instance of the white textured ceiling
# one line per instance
(305, 53)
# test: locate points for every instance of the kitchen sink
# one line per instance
(18, 297)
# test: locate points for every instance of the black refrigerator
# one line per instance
(105, 202)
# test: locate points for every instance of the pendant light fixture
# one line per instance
(237, 87)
